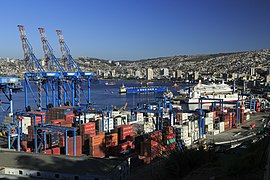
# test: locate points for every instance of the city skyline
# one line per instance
(134, 30)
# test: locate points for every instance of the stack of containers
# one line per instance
(258, 106)
(30, 133)
(150, 148)
(108, 124)
(70, 145)
(247, 114)
(125, 139)
(181, 117)
(56, 150)
(111, 140)
(169, 138)
(242, 114)
(139, 117)
(78, 146)
(124, 131)
(125, 147)
(209, 122)
(53, 139)
(193, 130)
(63, 112)
(26, 121)
(38, 114)
(87, 130)
(185, 137)
(221, 126)
(178, 131)
(97, 145)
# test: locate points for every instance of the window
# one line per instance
(38, 173)
(20, 172)
(76, 177)
(57, 176)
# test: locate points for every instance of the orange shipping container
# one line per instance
(97, 140)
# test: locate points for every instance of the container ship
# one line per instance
(191, 95)
(146, 89)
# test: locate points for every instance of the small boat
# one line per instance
(110, 83)
(168, 94)
(175, 85)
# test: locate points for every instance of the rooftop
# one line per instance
(58, 163)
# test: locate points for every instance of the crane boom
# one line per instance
(69, 63)
(32, 64)
(50, 60)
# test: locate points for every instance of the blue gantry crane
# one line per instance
(71, 66)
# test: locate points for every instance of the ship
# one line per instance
(110, 83)
(124, 89)
(211, 92)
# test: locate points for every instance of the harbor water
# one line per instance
(101, 95)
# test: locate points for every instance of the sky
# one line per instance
(136, 29)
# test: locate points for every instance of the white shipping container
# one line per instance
(214, 132)
(196, 135)
(115, 113)
(209, 115)
(189, 127)
(25, 123)
(187, 141)
(184, 116)
(196, 124)
(208, 120)
(139, 117)
(221, 126)
(208, 127)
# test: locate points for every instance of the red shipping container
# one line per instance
(56, 150)
(69, 117)
(57, 122)
(38, 118)
(62, 141)
(111, 140)
(47, 151)
(97, 140)
(30, 135)
(66, 124)
(88, 128)
(97, 151)
(78, 146)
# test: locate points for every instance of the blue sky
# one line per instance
(136, 29)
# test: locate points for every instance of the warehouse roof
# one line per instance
(58, 163)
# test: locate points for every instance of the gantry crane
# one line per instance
(71, 66)
(34, 70)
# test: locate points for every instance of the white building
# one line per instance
(137, 73)
(252, 71)
(149, 74)
(164, 72)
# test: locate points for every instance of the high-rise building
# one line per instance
(252, 71)
(149, 74)
(164, 72)
(178, 74)
(196, 75)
